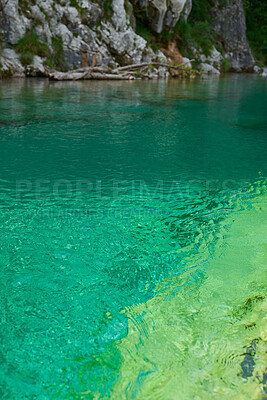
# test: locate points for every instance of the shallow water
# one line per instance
(133, 239)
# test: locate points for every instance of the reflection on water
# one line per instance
(133, 250)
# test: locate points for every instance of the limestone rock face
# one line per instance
(85, 30)
(209, 69)
(36, 68)
(230, 24)
(11, 64)
(162, 13)
(94, 32)
(214, 60)
(187, 9)
(12, 24)
(174, 10)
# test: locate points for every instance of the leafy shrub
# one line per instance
(154, 47)
(30, 43)
(256, 18)
(202, 36)
(26, 58)
(144, 31)
(194, 34)
(201, 10)
(225, 65)
(56, 59)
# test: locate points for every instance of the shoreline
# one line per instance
(107, 74)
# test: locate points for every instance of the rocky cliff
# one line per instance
(230, 25)
(68, 34)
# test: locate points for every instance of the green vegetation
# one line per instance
(32, 44)
(194, 33)
(225, 65)
(56, 59)
(75, 4)
(201, 10)
(143, 30)
(197, 31)
(26, 58)
(256, 17)
(108, 9)
(29, 46)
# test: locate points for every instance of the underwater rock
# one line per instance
(248, 364)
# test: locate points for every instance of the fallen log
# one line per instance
(128, 72)
(65, 76)
(154, 64)
(88, 75)
(118, 77)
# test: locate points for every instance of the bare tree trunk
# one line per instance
(128, 72)
(155, 64)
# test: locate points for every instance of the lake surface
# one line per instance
(133, 243)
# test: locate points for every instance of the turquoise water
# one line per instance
(133, 249)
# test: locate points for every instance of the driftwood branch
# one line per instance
(155, 64)
(87, 75)
(128, 72)
(100, 76)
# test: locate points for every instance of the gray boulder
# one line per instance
(187, 9)
(162, 13)
(208, 69)
(11, 64)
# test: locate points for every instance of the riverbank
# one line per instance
(68, 35)
(131, 72)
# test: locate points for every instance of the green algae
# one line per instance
(192, 344)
